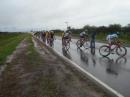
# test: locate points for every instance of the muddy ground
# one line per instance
(34, 71)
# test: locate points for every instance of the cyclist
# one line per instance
(83, 37)
(92, 42)
(47, 36)
(112, 37)
(66, 35)
(51, 36)
(43, 36)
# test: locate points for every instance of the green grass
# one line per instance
(8, 43)
(33, 54)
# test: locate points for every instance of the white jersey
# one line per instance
(82, 33)
(66, 34)
(111, 36)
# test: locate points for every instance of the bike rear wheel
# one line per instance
(104, 50)
(121, 51)
(86, 45)
(66, 45)
(78, 44)
(51, 42)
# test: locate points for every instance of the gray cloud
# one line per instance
(50, 14)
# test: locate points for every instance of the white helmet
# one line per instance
(84, 33)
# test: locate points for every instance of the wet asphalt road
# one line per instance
(113, 70)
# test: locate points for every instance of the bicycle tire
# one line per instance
(118, 51)
(78, 44)
(67, 46)
(106, 49)
(51, 42)
(93, 51)
(86, 45)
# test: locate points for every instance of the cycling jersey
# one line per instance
(82, 34)
(47, 34)
(51, 35)
(110, 38)
(66, 34)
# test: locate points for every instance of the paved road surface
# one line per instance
(114, 71)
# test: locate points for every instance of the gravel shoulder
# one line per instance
(35, 71)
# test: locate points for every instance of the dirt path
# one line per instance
(36, 72)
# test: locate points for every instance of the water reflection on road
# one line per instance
(112, 70)
(66, 53)
(113, 66)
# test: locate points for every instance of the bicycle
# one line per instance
(66, 53)
(82, 42)
(66, 43)
(51, 42)
(106, 50)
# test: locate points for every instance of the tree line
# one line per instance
(102, 30)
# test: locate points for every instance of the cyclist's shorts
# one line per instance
(52, 35)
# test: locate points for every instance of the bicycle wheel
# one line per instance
(78, 44)
(67, 46)
(51, 42)
(121, 51)
(93, 51)
(86, 45)
(104, 50)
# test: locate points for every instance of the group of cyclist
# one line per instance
(111, 38)
(48, 37)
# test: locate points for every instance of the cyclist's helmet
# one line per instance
(84, 32)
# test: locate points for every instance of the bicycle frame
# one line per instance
(117, 45)
(83, 40)
(118, 48)
(66, 41)
(50, 41)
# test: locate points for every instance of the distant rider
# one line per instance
(112, 37)
(66, 35)
(83, 37)
(51, 35)
(43, 36)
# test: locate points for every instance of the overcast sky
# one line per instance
(51, 14)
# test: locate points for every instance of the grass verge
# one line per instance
(8, 43)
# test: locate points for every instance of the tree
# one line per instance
(114, 28)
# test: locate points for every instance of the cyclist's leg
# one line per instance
(63, 41)
(81, 41)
